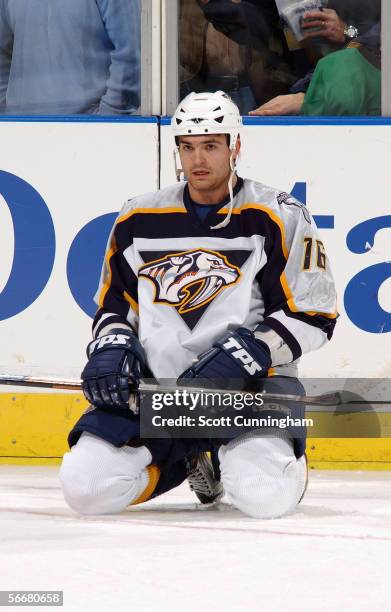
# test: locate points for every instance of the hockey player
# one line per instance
(194, 275)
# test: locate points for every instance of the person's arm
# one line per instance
(297, 283)
(115, 355)
(288, 104)
(117, 293)
(359, 13)
(6, 44)
(330, 23)
(371, 38)
(122, 20)
(242, 22)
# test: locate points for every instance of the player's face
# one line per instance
(205, 162)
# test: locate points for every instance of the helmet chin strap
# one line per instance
(178, 170)
(226, 220)
(232, 165)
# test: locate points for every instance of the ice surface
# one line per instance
(171, 554)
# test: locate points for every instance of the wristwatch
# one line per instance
(350, 32)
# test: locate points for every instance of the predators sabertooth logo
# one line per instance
(191, 279)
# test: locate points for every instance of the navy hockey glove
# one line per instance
(237, 355)
(114, 360)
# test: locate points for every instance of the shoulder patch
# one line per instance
(289, 200)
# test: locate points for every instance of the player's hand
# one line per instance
(237, 357)
(115, 360)
(288, 104)
(327, 23)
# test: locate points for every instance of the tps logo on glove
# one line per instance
(250, 365)
(112, 339)
(113, 361)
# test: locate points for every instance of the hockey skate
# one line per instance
(202, 480)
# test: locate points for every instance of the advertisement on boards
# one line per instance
(61, 187)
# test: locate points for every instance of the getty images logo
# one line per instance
(238, 352)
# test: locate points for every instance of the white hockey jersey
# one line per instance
(181, 285)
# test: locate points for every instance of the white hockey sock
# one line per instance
(99, 478)
(262, 476)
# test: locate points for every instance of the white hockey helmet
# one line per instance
(207, 113)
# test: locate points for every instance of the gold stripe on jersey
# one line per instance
(153, 211)
(153, 479)
(332, 315)
(107, 282)
(133, 304)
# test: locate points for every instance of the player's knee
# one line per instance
(85, 491)
(262, 477)
(98, 478)
(260, 497)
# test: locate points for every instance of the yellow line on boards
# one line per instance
(34, 429)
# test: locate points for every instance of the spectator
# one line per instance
(347, 82)
(327, 31)
(236, 46)
(69, 57)
(213, 60)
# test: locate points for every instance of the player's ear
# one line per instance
(237, 148)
